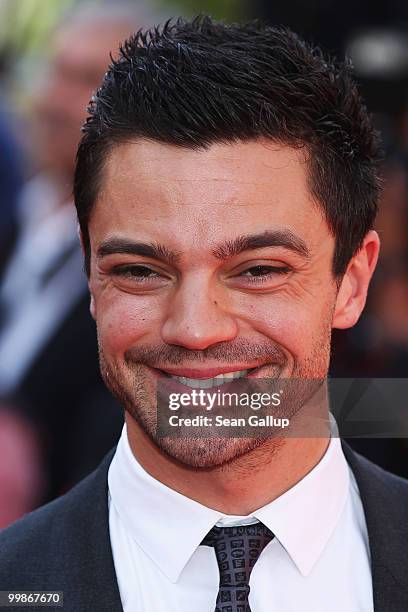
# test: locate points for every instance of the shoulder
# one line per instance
(31, 542)
(31, 530)
(375, 481)
(41, 543)
(385, 501)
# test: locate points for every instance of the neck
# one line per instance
(243, 485)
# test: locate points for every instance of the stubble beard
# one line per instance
(132, 386)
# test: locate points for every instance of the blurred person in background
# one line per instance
(48, 352)
(20, 475)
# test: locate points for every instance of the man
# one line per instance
(226, 188)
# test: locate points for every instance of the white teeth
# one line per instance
(207, 383)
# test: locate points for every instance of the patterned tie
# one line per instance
(237, 550)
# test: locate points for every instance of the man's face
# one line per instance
(207, 262)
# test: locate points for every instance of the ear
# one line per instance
(352, 294)
(92, 305)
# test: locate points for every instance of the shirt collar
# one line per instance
(305, 516)
(169, 526)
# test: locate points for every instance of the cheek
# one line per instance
(295, 325)
(125, 320)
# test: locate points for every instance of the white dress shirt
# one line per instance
(318, 560)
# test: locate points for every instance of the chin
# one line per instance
(209, 453)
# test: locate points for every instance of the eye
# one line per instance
(136, 273)
(263, 273)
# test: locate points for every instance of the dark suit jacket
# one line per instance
(65, 545)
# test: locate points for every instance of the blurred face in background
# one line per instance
(80, 56)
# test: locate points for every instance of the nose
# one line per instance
(198, 316)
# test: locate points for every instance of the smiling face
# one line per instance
(206, 262)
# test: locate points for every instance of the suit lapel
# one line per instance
(385, 502)
(91, 568)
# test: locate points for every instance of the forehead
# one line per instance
(199, 195)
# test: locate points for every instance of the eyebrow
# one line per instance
(225, 250)
(144, 249)
(276, 238)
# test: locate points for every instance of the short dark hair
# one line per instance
(194, 83)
